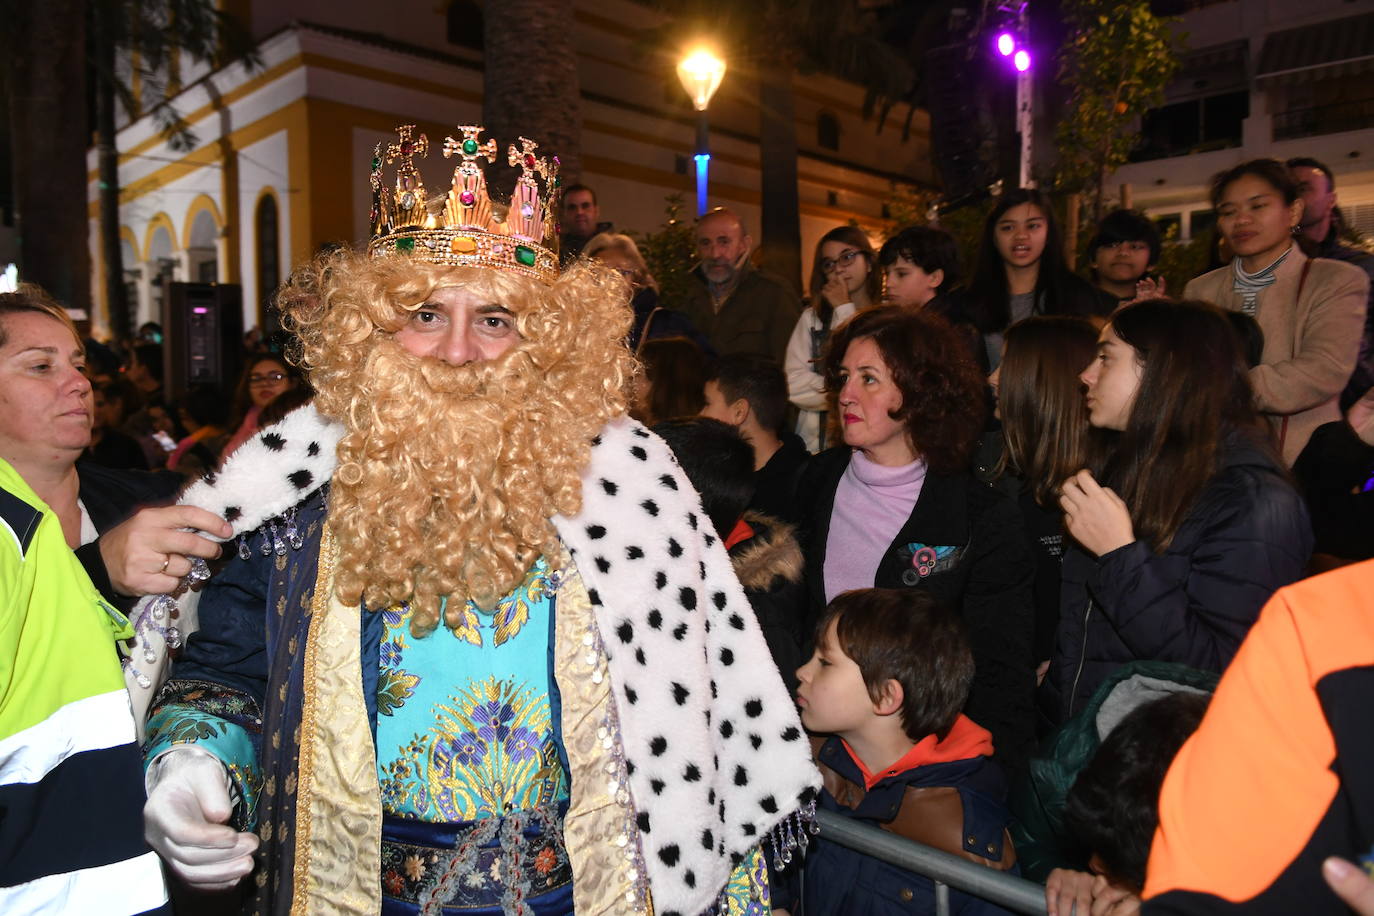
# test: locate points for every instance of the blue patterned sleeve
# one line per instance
(217, 719)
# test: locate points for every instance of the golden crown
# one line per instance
(465, 228)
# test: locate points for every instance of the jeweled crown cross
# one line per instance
(406, 149)
(528, 161)
(468, 147)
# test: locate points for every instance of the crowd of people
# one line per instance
(534, 586)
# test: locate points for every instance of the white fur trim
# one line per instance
(265, 477)
(718, 752)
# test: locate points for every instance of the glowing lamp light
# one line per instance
(701, 73)
(1005, 44)
(1021, 61)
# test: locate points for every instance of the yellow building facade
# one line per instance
(281, 154)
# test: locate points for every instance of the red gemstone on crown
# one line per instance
(407, 148)
(530, 161)
(467, 198)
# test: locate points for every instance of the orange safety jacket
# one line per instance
(1281, 773)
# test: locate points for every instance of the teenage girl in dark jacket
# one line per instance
(1188, 523)
(1043, 439)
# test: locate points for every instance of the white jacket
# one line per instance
(806, 386)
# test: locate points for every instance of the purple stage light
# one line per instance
(1021, 61)
(1005, 44)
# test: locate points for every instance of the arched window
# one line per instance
(465, 24)
(268, 251)
(827, 131)
(203, 250)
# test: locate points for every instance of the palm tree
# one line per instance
(154, 37)
(42, 72)
(532, 93)
(57, 55)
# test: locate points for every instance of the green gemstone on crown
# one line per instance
(376, 163)
(405, 244)
(525, 255)
(470, 147)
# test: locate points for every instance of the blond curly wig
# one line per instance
(448, 476)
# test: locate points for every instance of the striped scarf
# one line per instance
(1248, 286)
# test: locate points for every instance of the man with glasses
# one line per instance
(739, 308)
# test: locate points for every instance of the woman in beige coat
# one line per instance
(1312, 311)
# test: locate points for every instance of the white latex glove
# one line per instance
(186, 820)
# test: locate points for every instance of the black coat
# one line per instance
(987, 580)
(1333, 470)
(111, 496)
(1247, 536)
(775, 484)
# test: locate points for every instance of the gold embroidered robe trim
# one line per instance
(339, 805)
(339, 812)
(598, 830)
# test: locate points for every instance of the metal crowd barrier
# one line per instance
(946, 870)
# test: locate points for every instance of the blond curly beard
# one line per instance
(448, 476)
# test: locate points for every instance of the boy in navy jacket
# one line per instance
(882, 694)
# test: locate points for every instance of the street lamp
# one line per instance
(701, 73)
(1013, 45)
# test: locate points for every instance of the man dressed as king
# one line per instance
(477, 649)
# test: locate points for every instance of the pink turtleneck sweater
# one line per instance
(872, 503)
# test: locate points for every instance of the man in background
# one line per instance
(581, 221)
(1323, 225)
(738, 307)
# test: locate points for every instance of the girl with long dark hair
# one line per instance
(1186, 522)
(1312, 310)
(1022, 271)
(844, 279)
(1044, 439)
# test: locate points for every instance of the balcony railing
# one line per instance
(1324, 119)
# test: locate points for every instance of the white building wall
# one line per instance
(262, 168)
(1179, 185)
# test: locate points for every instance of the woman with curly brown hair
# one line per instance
(896, 507)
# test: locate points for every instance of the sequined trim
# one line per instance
(600, 829)
(618, 778)
(792, 835)
(338, 827)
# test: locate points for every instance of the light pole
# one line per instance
(1015, 46)
(701, 73)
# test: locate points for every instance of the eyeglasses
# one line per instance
(267, 379)
(844, 260)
